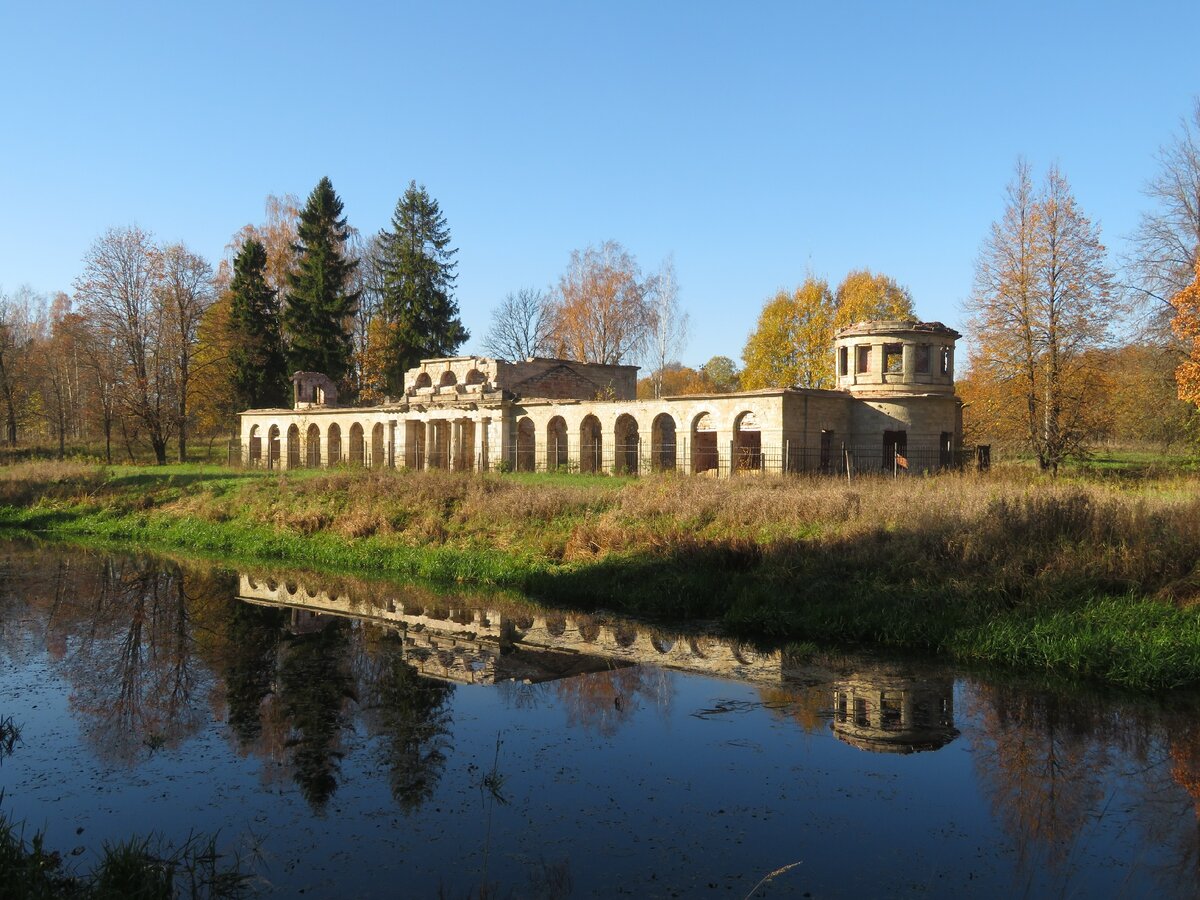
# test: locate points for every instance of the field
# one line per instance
(1091, 575)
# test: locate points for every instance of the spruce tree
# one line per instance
(320, 303)
(259, 374)
(416, 268)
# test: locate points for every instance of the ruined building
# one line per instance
(894, 409)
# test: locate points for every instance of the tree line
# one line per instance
(154, 344)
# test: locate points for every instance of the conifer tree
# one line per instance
(416, 268)
(320, 301)
(259, 369)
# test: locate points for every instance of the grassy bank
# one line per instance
(1090, 576)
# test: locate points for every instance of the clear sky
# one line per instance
(757, 142)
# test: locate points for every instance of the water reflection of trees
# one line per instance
(1051, 764)
(152, 648)
(410, 715)
(604, 701)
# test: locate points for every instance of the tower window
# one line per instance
(862, 358)
(893, 358)
(843, 360)
(945, 368)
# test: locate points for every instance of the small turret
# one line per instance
(895, 357)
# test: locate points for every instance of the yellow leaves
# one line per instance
(792, 346)
(793, 342)
(864, 296)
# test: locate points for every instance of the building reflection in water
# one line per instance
(888, 710)
(877, 707)
(468, 644)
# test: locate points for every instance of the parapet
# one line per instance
(464, 378)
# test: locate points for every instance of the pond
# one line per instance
(354, 738)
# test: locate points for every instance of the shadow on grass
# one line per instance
(152, 479)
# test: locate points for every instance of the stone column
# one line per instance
(430, 443)
(455, 445)
(485, 427)
(391, 445)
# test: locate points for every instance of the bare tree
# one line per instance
(668, 329)
(1164, 247)
(185, 293)
(17, 328)
(120, 288)
(521, 326)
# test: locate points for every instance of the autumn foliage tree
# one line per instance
(789, 347)
(1186, 324)
(601, 312)
(1043, 300)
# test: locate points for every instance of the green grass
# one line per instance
(1086, 576)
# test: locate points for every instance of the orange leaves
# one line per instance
(1186, 325)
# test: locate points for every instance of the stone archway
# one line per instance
(747, 444)
(255, 450)
(626, 446)
(293, 446)
(378, 448)
(704, 445)
(662, 443)
(335, 444)
(313, 446)
(357, 445)
(556, 444)
(526, 456)
(273, 447)
(591, 445)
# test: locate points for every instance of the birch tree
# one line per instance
(601, 311)
(668, 329)
(185, 293)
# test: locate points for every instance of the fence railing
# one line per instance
(642, 458)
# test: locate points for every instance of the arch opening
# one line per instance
(704, 444)
(293, 446)
(627, 445)
(526, 451)
(747, 443)
(556, 443)
(378, 450)
(273, 447)
(662, 443)
(334, 441)
(357, 445)
(312, 446)
(591, 445)
(255, 446)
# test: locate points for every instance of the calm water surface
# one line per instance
(366, 739)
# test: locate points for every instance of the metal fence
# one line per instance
(641, 458)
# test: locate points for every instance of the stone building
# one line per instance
(893, 408)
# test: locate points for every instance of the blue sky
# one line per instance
(756, 142)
